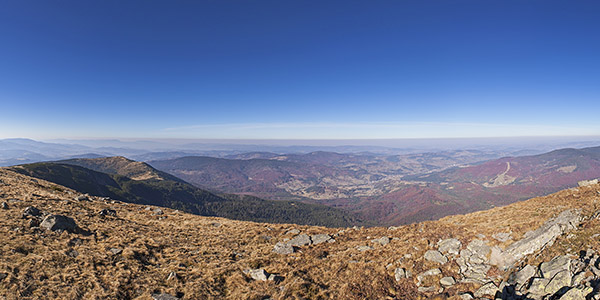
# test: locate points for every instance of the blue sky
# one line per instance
(299, 69)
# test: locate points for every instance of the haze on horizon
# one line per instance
(286, 70)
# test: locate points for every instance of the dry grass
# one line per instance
(209, 254)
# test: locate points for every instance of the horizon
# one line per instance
(306, 71)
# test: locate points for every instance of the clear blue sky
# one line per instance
(299, 69)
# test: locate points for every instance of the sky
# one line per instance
(299, 69)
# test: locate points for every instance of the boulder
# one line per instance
(31, 211)
(537, 286)
(283, 248)
(560, 280)
(115, 251)
(399, 273)
(556, 265)
(488, 289)
(447, 281)
(522, 276)
(502, 236)
(449, 246)
(430, 272)
(82, 198)
(435, 256)
(300, 240)
(577, 293)
(257, 274)
(3, 275)
(319, 238)
(384, 240)
(4, 205)
(59, 223)
(293, 231)
(108, 212)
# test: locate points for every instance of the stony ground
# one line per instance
(135, 252)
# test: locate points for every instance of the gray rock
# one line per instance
(172, 276)
(502, 236)
(276, 278)
(488, 289)
(300, 240)
(4, 205)
(108, 212)
(447, 281)
(560, 280)
(82, 198)
(435, 256)
(59, 223)
(538, 239)
(427, 289)
(257, 274)
(115, 251)
(163, 297)
(523, 275)
(465, 296)
(557, 264)
(399, 274)
(157, 211)
(577, 293)
(293, 231)
(3, 275)
(538, 286)
(364, 248)
(449, 246)
(430, 272)
(479, 251)
(34, 223)
(31, 211)
(283, 248)
(384, 240)
(319, 238)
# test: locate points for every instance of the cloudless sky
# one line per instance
(299, 69)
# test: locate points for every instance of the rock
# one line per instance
(399, 273)
(384, 240)
(319, 238)
(430, 272)
(276, 278)
(523, 275)
(502, 236)
(59, 223)
(4, 205)
(364, 248)
(300, 240)
(283, 248)
(557, 264)
(488, 289)
(538, 239)
(538, 286)
(73, 253)
(435, 256)
(31, 211)
(257, 274)
(82, 198)
(3, 275)
(479, 251)
(34, 223)
(465, 296)
(164, 297)
(75, 242)
(560, 280)
(449, 246)
(447, 281)
(587, 182)
(115, 251)
(427, 289)
(157, 211)
(293, 231)
(108, 212)
(576, 293)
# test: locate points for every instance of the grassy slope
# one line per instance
(185, 197)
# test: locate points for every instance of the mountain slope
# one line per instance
(134, 254)
(179, 195)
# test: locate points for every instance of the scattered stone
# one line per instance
(163, 297)
(560, 280)
(3, 275)
(399, 273)
(364, 248)
(293, 231)
(523, 275)
(319, 238)
(538, 286)
(447, 281)
(587, 182)
(449, 246)
(488, 289)
(275, 278)
(108, 212)
(283, 248)
(59, 223)
(384, 240)
(4, 205)
(115, 251)
(31, 211)
(427, 289)
(82, 198)
(431, 272)
(556, 265)
(34, 223)
(300, 240)
(577, 293)
(157, 211)
(435, 256)
(502, 236)
(257, 274)
(465, 296)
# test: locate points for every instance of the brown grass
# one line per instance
(209, 254)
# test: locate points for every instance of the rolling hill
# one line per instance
(152, 187)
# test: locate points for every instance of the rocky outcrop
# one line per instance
(536, 240)
(59, 223)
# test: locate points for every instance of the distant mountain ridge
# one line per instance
(152, 187)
